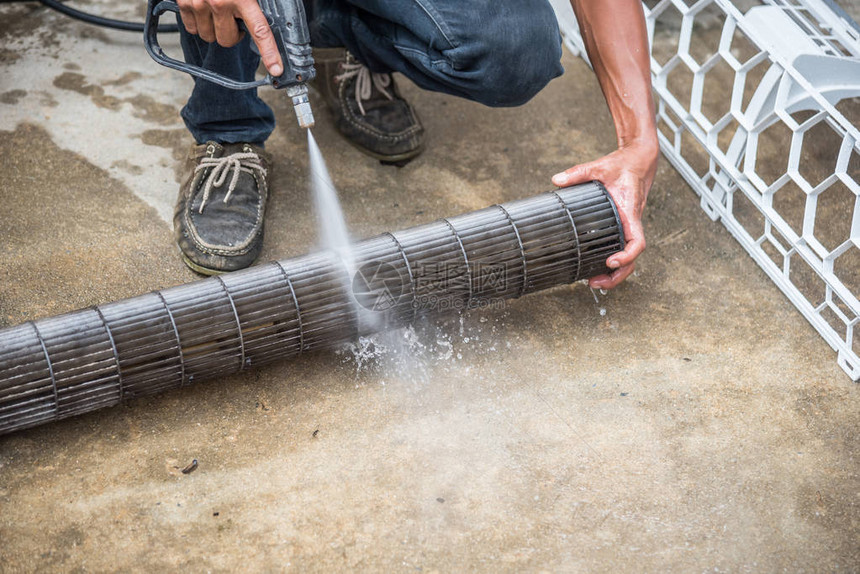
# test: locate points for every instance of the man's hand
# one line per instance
(627, 174)
(617, 43)
(216, 21)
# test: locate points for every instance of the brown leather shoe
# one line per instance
(367, 107)
(218, 220)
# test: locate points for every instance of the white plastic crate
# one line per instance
(758, 107)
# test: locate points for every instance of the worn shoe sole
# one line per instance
(199, 268)
(399, 159)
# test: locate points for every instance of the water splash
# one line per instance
(602, 310)
(424, 351)
(409, 353)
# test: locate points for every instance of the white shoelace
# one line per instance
(247, 162)
(365, 80)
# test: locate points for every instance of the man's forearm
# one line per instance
(617, 43)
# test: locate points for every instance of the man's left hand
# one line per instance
(627, 174)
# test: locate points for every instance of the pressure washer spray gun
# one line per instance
(290, 27)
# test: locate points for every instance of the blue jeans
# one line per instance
(496, 52)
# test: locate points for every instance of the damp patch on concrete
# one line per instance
(78, 83)
(88, 103)
(12, 96)
(74, 235)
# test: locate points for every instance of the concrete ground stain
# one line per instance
(12, 96)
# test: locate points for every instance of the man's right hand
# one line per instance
(216, 21)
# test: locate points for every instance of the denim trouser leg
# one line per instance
(497, 52)
(221, 114)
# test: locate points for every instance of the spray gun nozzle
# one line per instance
(304, 114)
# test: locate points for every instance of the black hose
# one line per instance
(96, 20)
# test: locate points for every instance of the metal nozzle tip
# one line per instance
(305, 115)
(299, 95)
